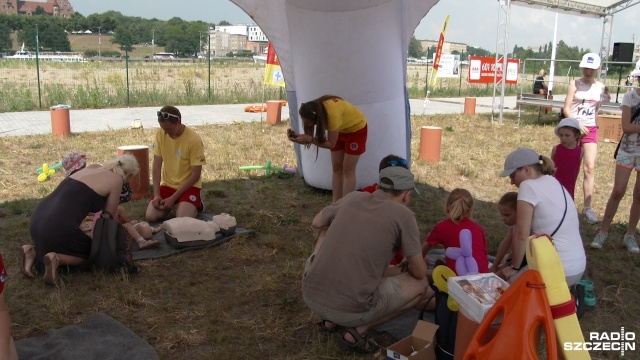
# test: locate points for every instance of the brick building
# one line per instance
(52, 7)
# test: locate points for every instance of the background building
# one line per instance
(52, 7)
(232, 38)
(447, 47)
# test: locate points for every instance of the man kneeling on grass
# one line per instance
(348, 281)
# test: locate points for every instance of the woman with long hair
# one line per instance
(339, 126)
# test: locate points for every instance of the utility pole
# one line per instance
(153, 43)
(99, 42)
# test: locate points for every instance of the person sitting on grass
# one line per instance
(508, 207)
(178, 156)
(389, 160)
(348, 281)
(459, 208)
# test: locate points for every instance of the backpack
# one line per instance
(110, 249)
(447, 322)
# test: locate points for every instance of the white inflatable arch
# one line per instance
(356, 49)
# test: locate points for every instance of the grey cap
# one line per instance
(568, 122)
(518, 158)
(401, 178)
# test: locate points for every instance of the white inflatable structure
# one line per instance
(356, 49)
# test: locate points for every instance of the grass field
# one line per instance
(242, 300)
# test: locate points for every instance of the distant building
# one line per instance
(52, 7)
(231, 38)
(447, 47)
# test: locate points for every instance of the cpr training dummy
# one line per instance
(185, 231)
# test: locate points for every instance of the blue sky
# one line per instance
(473, 22)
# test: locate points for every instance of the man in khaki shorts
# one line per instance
(348, 281)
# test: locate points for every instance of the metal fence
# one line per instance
(30, 85)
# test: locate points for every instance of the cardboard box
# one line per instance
(420, 345)
(609, 128)
(476, 294)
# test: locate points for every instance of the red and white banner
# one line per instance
(482, 68)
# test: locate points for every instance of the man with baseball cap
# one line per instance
(347, 280)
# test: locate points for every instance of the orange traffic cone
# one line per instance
(524, 307)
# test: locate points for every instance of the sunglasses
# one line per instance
(513, 174)
(166, 115)
(397, 162)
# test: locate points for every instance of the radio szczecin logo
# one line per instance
(606, 341)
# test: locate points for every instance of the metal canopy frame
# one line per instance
(604, 9)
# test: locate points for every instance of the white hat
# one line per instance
(518, 158)
(636, 70)
(568, 122)
(590, 61)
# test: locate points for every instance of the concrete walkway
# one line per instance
(39, 122)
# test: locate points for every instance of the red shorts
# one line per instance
(354, 143)
(192, 195)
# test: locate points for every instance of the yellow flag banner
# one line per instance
(272, 71)
(436, 59)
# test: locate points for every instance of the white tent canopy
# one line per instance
(355, 49)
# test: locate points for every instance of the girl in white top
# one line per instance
(627, 160)
(582, 102)
(544, 207)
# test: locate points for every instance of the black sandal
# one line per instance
(322, 327)
(363, 345)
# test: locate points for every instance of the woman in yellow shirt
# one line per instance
(339, 126)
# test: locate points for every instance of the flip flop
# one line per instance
(24, 249)
(149, 244)
(363, 345)
(50, 276)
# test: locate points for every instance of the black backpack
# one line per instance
(110, 249)
(447, 322)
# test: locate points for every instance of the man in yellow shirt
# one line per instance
(178, 156)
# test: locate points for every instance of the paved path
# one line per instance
(39, 122)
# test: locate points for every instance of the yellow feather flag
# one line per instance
(436, 60)
(272, 71)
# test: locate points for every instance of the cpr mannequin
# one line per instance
(185, 229)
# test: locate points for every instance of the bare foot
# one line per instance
(50, 268)
(28, 256)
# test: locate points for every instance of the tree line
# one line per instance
(183, 38)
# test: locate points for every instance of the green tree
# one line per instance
(54, 38)
(415, 48)
(5, 38)
(40, 11)
(224, 23)
(122, 37)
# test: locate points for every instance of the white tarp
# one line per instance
(356, 49)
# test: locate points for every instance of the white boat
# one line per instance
(58, 56)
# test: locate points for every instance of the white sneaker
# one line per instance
(599, 240)
(590, 215)
(632, 245)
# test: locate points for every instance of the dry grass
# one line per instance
(242, 300)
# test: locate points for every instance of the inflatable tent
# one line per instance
(356, 49)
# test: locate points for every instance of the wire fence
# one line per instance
(27, 85)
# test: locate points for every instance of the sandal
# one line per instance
(27, 254)
(323, 328)
(50, 276)
(149, 244)
(362, 345)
